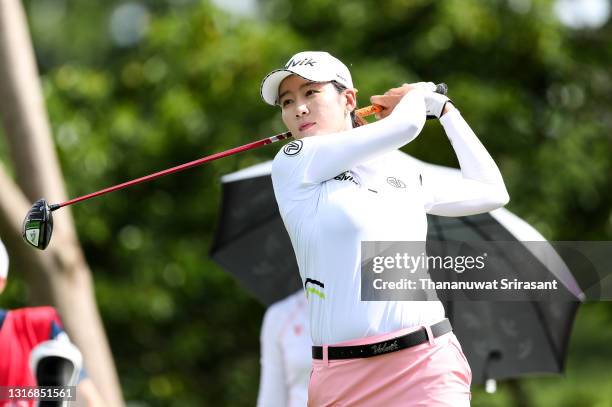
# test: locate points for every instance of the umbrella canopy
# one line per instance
(251, 242)
(500, 339)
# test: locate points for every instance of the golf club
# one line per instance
(38, 223)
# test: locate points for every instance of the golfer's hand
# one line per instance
(435, 103)
(390, 99)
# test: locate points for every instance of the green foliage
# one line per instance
(182, 331)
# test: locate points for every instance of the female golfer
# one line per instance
(338, 184)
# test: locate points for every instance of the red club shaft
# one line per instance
(178, 168)
(366, 111)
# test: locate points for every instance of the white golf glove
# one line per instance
(434, 102)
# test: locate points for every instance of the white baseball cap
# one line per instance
(4, 261)
(316, 66)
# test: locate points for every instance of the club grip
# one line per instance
(441, 88)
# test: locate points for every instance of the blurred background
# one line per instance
(132, 87)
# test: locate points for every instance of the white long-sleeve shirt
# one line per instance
(285, 354)
(337, 190)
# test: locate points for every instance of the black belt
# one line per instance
(380, 348)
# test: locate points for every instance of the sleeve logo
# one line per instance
(396, 182)
(293, 148)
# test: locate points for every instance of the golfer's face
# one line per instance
(312, 108)
(2, 284)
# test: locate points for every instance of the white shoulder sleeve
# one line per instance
(481, 187)
(316, 159)
(272, 386)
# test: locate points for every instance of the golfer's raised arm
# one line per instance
(481, 188)
(327, 156)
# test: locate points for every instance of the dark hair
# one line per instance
(356, 120)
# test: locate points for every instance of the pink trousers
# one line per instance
(432, 374)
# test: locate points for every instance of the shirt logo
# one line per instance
(315, 287)
(396, 182)
(346, 176)
(293, 148)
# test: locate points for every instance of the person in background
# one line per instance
(34, 347)
(285, 354)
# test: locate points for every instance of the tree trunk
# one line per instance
(60, 275)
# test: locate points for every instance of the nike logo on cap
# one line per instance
(307, 61)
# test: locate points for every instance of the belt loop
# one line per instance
(430, 337)
(325, 357)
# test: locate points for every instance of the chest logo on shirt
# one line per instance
(396, 182)
(293, 148)
(312, 286)
(347, 176)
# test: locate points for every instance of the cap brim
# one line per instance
(270, 84)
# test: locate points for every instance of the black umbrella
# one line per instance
(500, 339)
(251, 241)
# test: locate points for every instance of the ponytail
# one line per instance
(356, 120)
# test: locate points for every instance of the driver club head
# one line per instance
(38, 225)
